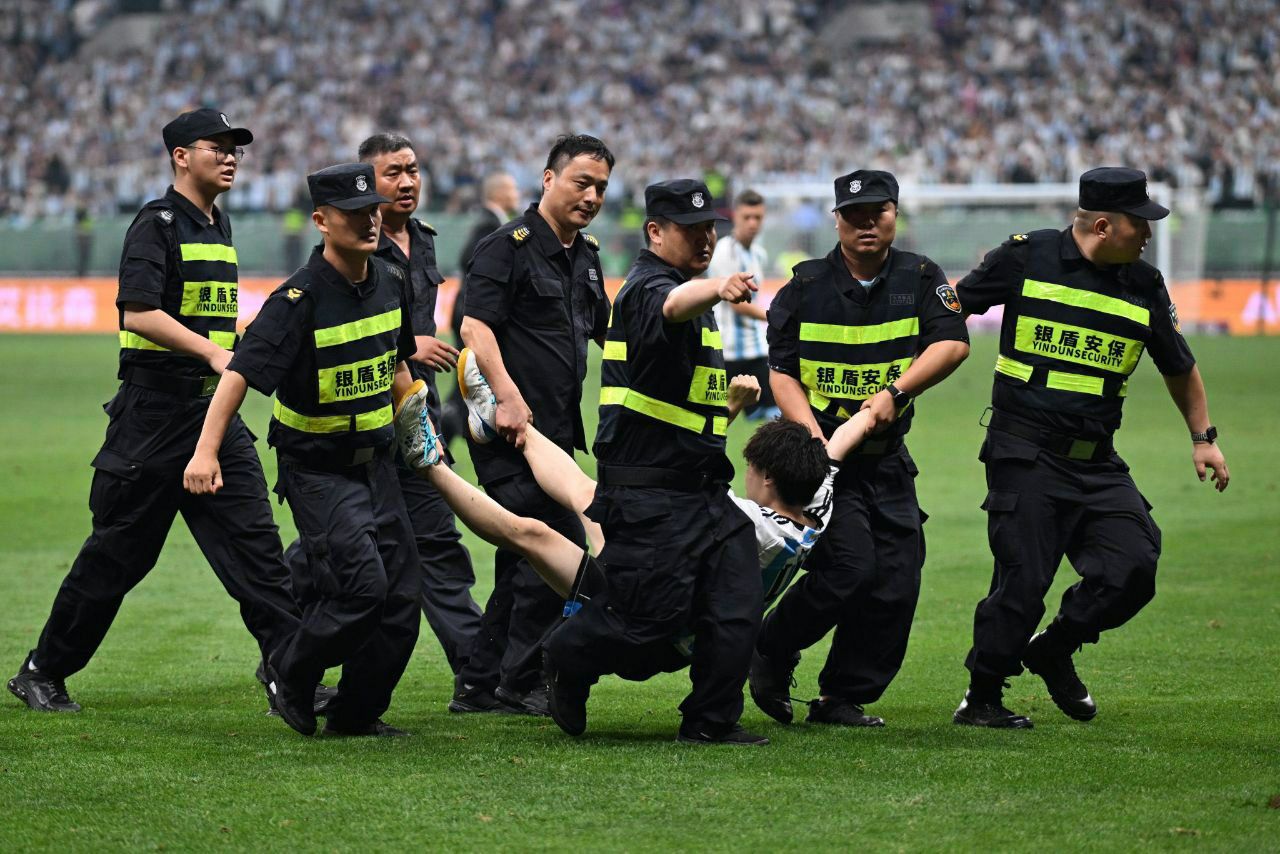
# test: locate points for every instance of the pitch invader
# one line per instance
(1080, 308)
(178, 302)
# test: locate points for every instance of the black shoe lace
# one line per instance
(60, 690)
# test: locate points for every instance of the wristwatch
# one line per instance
(1208, 436)
(901, 399)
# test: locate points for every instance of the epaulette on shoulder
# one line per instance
(1018, 238)
(426, 226)
(591, 240)
(295, 290)
(162, 208)
(520, 235)
(392, 268)
(808, 270)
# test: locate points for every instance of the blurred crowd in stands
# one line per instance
(991, 91)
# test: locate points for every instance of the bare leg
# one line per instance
(559, 476)
(553, 555)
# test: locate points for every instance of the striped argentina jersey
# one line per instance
(782, 545)
(743, 337)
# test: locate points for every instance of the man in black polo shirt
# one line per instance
(331, 343)
(535, 296)
(178, 303)
(408, 242)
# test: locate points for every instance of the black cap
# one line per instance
(202, 124)
(1117, 188)
(347, 187)
(682, 201)
(864, 187)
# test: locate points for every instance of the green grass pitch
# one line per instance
(173, 750)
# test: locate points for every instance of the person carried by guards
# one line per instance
(868, 327)
(331, 343)
(1080, 309)
(679, 552)
(178, 302)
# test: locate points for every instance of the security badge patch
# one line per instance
(294, 294)
(947, 294)
(1173, 315)
(520, 234)
(361, 184)
(167, 216)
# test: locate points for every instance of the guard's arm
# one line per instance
(931, 367)
(513, 414)
(203, 475)
(1187, 391)
(159, 328)
(791, 398)
(695, 296)
(401, 382)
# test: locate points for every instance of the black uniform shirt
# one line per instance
(424, 273)
(999, 279)
(543, 302)
(937, 321)
(279, 346)
(657, 351)
(424, 283)
(151, 274)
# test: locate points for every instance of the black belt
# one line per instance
(337, 462)
(1071, 447)
(656, 478)
(177, 386)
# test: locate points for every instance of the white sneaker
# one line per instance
(482, 406)
(418, 441)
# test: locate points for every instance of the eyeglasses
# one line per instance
(222, 153)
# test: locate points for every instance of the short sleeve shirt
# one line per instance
(544, 301)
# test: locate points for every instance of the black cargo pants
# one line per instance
(1040, 507)
(136, 494)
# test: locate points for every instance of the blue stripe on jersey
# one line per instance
(778, 574)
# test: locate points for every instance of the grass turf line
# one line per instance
(173, 751)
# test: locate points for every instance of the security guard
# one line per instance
(331, 343)
(408, 242)
(1080, 307)
(177, 301)
(535, 296)
(867, 327)
(679, 552)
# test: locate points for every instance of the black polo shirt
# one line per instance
(279, 348)
(424, 278)
(544, 302)
(999, 279)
